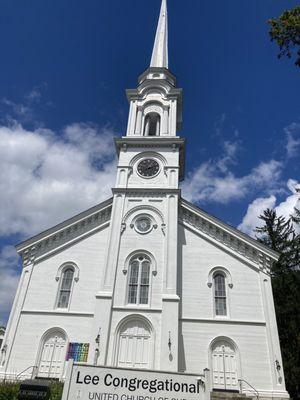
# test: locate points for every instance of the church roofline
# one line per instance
(231, 231)
(62, 225)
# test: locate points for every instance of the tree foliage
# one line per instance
(285, 31)
(10, 390)
(279, 234)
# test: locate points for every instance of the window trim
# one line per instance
(228, 285)
(59, 278)
(153, 224)
(139, 281)
(152, 272)
(153, 267)
(220, 273)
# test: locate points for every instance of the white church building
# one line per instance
(146, 279)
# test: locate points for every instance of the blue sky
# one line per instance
(64, 70)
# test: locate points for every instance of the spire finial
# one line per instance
(160, 50)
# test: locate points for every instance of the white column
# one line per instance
(157, 126)
(164, 127)
(103, 303)
(131, 119)
(138, 126)
(173, 118)
(15, 315)
(272, 334)
(147, 127)
(170, 278)
(170, 299)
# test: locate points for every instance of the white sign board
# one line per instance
(105, 383)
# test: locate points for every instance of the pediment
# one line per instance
(65, 233)
(226, 236)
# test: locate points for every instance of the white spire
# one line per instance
(160, 50)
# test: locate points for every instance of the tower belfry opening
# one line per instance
(152, 125)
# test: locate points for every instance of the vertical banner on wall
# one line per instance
(78, 352)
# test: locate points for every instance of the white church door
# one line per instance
(224, 366)
(134, 346)
(53, 353)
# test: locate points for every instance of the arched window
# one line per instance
(139, 280)
(65, 288)
(152, 124)
(220, 294)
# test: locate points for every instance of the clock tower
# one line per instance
(140, 273)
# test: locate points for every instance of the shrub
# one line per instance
(9, 391)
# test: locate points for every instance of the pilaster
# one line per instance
(170, 273)
(169, 333)
(276, 367)
(15, 315)
(104, 298)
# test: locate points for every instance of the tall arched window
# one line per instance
(139, 280)
(65, 288)
(220, 294)
(152, 124)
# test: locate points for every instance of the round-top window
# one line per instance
(143, 224)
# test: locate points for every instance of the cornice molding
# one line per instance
(149, 141)
(143, 192)
(228, 236)
(222, 321)
(59, 312)
(65, 232)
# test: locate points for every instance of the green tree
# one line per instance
(285, 31)
(279, 234)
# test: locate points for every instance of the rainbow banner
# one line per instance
(78, 352)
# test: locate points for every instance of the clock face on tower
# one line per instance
(148, 167)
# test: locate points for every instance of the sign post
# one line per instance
(86, 382)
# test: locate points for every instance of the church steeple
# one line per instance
(160, 57)
(156, 104)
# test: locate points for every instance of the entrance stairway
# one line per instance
(224, 395)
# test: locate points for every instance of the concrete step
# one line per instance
(224, 395)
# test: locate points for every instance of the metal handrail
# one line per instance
(243, 380)
(32, 366)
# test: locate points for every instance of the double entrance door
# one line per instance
(224, 366)
(52, 359)
(134, 346)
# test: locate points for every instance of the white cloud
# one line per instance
(19, 109)
(24, 108)
(45, 178)
(256, 208)
(292, 132)
(229, 157)
(9, 278)
(215, 183)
